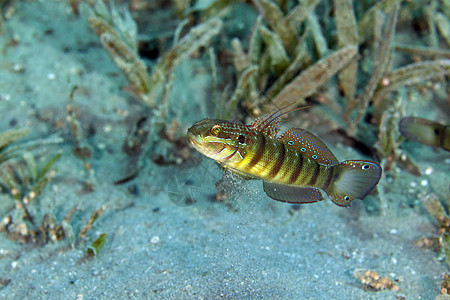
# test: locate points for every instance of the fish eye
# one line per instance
(241, 139)
(215, 130)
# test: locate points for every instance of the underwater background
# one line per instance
(102, 196)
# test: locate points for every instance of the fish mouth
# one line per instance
(195, 139)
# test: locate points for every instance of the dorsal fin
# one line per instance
(269, 124)
(310, 145)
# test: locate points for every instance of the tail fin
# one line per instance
(355, 180)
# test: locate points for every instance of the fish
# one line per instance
(426, 132)
(294, 167)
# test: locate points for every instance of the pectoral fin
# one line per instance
(292, 194)
(241, 174)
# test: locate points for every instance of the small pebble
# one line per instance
(424, 182)
(5, 97)
(107, 128)
(18, 68)
(155, 240)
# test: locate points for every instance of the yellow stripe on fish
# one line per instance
(294, 167)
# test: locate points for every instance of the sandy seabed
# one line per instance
(258, 249)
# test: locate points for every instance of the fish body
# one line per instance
(426, 132)
(294, 167)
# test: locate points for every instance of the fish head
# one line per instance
(220, 140)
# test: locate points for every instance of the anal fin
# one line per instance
(292, 194)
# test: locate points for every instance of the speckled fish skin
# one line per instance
(294, 167)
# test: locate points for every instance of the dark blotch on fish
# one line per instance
(425, 132)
